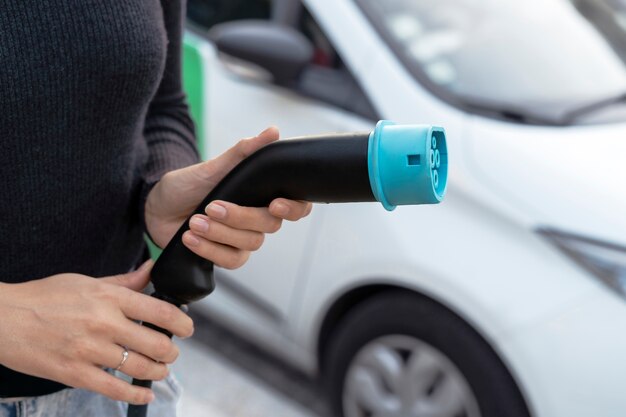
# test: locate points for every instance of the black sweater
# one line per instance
(92, 114)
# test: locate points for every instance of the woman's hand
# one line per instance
(69, 327)
(227, 233)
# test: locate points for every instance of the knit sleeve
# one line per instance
(169, 130)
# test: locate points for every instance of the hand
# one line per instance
(227, 233)
(68, 327)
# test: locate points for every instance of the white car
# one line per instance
(508, 299)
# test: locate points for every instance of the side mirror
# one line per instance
(281, 50)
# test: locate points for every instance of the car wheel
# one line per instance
(404, 355)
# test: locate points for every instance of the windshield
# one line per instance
(539, 56)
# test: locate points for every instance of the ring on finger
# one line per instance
(124, 359)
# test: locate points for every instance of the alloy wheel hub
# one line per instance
(401, 376)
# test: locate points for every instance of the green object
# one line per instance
(194, 84)
(155, 251)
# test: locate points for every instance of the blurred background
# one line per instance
(508, 299)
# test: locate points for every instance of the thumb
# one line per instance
(218, 167)
(187, 186)
(136, 280)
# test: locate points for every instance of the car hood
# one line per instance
(568, 178)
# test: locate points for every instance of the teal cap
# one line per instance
(408, 164)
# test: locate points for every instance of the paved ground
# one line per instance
(224, 376)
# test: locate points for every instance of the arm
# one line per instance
(169, 131)
(228, 232)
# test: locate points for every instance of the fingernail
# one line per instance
(281, 209)
(215, 210)
(151, 397)
(266, 130)
(199, 224)
(190, 239)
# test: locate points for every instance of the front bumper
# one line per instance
(573, 363)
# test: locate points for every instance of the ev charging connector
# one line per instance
(395, 164)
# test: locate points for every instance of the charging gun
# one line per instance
(394, 165)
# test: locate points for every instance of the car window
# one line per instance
(541, 56)
(324, 52)
(206, 13)
(328, 78)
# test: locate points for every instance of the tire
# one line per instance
(401, 354)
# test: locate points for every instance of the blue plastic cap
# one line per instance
(408, 164)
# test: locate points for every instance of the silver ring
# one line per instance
(124, 358)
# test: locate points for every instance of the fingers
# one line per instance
(136, 280)
(258, 219)
(243, 218)
(98, 380)
(86, 358)
(233, 220)
(206, 228)
(222, 255)
(136, 365)
(138, 306)
(218, 167)
(228, 232)
(289, 209)
(150, 343)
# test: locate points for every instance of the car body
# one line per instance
(532, 203)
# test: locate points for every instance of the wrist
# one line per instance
(149, 212)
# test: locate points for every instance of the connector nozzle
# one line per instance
(408, 164)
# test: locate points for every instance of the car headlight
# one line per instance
(605, 261)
